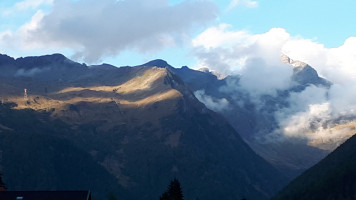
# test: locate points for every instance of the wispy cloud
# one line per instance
(26, 5)
(247, 3)
(19, 39)
(212, 103)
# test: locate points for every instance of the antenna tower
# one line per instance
(25, 94)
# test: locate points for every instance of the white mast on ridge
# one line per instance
(25, 94)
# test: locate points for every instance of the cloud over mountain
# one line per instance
(251, 56)
(312, 113)
(212, 103)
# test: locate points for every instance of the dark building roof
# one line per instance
(45, 195)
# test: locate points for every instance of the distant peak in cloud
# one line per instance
(320, 81)
(295, 63)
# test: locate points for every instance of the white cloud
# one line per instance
(247, 3)
(300, 124)
(212, 103)
(106, 28)
(336, 64)
(251, 56)
(219, 36)
(342, 98)
(21, 37)
(231, 49)
(320, 115)
(306, 108)
(260, 78)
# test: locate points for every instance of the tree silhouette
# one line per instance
(2, 184)
(112, 196)
(174, 191)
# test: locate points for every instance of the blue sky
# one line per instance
(328, 23)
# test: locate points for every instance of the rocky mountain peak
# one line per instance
(157, 63)
(5, 59)
(303, 73)
(295, 63)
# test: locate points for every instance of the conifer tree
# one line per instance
(174, 191)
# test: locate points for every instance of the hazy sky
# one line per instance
(129, 32)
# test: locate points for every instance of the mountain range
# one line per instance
(126, 131)
(129, 130)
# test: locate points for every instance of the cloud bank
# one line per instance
(316, 113)
(108, 27)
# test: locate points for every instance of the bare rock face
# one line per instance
(295, 63)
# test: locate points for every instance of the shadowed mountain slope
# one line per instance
(33, 156)
(332, 178)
